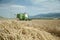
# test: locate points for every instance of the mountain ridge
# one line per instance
(49, 15)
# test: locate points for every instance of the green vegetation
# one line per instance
(1, 17)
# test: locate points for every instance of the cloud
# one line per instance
(49, 5)
(13, 7)
(32, 10)
(18, 6)
(32, 7)
(10, 10)
(5, 1)
(38, 1)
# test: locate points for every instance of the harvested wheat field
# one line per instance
(30, 30)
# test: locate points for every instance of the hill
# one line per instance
(49, 15)
(1, 17)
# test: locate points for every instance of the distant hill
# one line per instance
(1, 17)
(49, 15)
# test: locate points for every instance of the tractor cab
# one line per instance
(23, 16)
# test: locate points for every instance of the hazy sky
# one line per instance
(8, 8)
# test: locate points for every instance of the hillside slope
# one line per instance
(49, 15)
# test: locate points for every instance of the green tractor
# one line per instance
(23, 16)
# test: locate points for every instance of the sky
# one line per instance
(9, 8)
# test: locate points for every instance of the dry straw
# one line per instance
(16, 30)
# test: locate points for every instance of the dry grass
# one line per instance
(30, 30)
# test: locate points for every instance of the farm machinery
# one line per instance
(23, 16)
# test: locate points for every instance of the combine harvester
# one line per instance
(23, 16)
